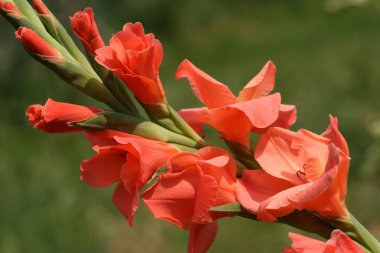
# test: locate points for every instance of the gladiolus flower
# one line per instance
(193, 183)
(84, 26)
(127, 159)
(57, 117)
(235, 117)
(37, 46)
(10, 9)
(135, 57)
(300, 170)
(339, 243)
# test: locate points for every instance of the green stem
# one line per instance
(167, 117)
(363, 236)
(304, 220)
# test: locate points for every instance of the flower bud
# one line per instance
(37, 46)
(85, 28)
(40, 7)
(57, 117)
(9, 9)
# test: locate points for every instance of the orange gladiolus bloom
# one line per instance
(128, 159)
(300, 170)
(135, 57)
(339, 243)
(56, 117)
(85, 28)
(193, 183)
(236, 117)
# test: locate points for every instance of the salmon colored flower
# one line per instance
(339, 243)
(85, 28)
(126, 159)
(300, 170)
(254, 110)
(57, 117)
(135, 57)
(193, 183)
(37, 46)
(10, 9)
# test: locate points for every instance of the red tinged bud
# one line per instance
(9, 9)
(37, 46)
(57, 117)
(40, 7)
(85, 28)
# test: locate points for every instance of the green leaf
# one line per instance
(234, 207)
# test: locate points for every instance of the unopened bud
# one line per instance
(85, 28)
(37, 46)
(40, 7)
(9, 9)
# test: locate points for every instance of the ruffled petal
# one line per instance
(261, 112)
(317, 153)
(173, 196)
(210, 92)
(332, 133)
(125, 202)
(287, 116)
(276, 156)
(231, 123)
(151, 154)
(103, 169)
(182, 198)
(303, 244)
(256, 186)
(201, 237)
(261, 85)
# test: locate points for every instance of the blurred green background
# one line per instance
(328, 62)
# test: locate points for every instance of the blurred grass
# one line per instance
(327, 62)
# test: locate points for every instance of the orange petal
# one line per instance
(261, 85)
(257, 186)
(221, 167)
(104, 137)
(104, 168)
(196, 118)
(208, 90)
(261, 112)
(207, 193)
(231, 123)
(332, 133)
(303, 244)
(201, 237)
(174, 197)
(299, 197)
(125, 202)
(317, 149)
(276, 156)
(343, 243)
(151, 154)
(181, 161)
